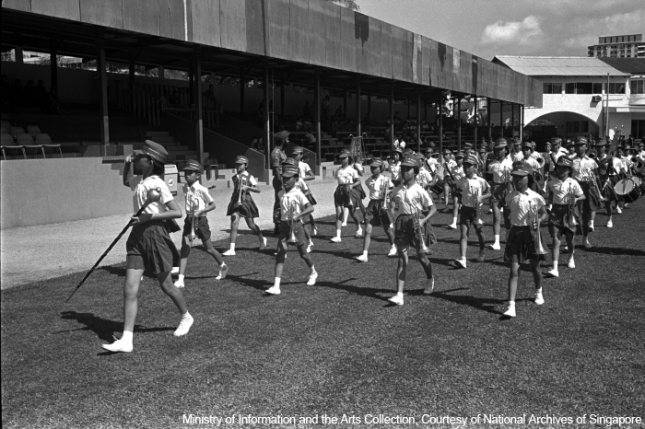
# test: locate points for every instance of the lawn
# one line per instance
(337, 349)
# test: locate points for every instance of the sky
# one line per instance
(488, 28)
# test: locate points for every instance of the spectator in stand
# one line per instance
(15, 94)
(6, 90)
(164, 98)
(209, 97)
(29, 94)
(339, 114)
(306, 111)
(397, 120)
(325, 107)
(299, 124)
(174, 99)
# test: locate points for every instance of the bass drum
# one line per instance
(437, 188)
(627, 190)
(640, 184)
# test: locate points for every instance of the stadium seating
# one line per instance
(44, 140)
(8, 144)
(27, 142)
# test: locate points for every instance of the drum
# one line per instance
(437, 188)
(640, 184)
(627, 190)
(639, 166)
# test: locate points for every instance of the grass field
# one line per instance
(338, 348)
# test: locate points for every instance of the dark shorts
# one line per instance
(521, 245)
(406, 232)
(498, 193)
(343, 196)
(150, 248)
(285, 233)
(202, 229)
(592, 197)
(246, 208)
(375, 215)
(468, 216)
(608, 190)
(559, 218)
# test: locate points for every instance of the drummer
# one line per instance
(585, 171)
(609, 168)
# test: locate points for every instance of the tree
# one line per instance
(351, 4)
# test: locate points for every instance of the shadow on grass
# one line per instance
(346, 255)
(484, 304)
(103, 328)
(357, 290)
(259, 284)
(615, 251)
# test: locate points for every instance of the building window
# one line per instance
(570, 88)
(584, 88)
(616, 88)
(552, 88)
(637, 87)
(597, 88)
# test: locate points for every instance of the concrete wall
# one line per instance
(44, 191)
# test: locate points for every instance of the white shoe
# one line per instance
(553, 273)
(510, 310)
(315, 231)
(179, 283)
(393, 251)
(539, 299)
(429, 289)
(119, 346)
(223, 271)
(359, 233)
(344, 223)
(174, 271)
(571, 263)
(184, 326)
(619, 210)
(273, 290)
(335, 240)
(453, 225)
(229, 252)
(461, 262)
(610, 224)
(263, 243)
(309, 247)
(495, 246)
(591, 227)
(362, 258)
(490, 211)
(312, 279)
(397, 299)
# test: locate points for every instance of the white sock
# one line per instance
(127, 337)
(539, 290)
(364, 252)
(311, 242)
(276, 282)
(223, 265)
(511, 303)
(186, 316)
(497, 239)
(232, 246)
(359, 229)
(338, 233)
(313, 270)
(181, 277)
(454, 219)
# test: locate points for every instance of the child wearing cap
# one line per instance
(293, 207)
(306, 174)
(198, 202)
(379, 187)
(302, 186)
(526, 209)
(456, 172)
(531, 164)
(242, 204)
(395, 166)
(585, 171)
(564, 194)
(472, 190)
(348, 179)
(500, 172)
(149, 246)
(409, 202)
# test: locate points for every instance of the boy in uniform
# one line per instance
(472, 190)
(525, 207)
(306, 175)
(564, 194)
(293, 206)
(409, 200)
(198, 203)
(379, 187)
(149, 246)
(242, 204)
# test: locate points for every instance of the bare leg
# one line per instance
(130, 298)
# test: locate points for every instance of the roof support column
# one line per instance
(103, 98)
(317, 103)
(459, 123)
(513, 119)
(440, 113)
(282, 96)
(392, 113)
(501, 118)
(476, 110)
(265, 119)
(199, 132)
(369, 102)
(418, 122)
(521, 122)
(489, 110)
(359, 117)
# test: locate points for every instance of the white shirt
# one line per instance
(521, 204)
(141, 187)
(377, 186)
(560, 152)
(410, 200)
(291, 203)
(395, 170)
(471, 189)
(501, 170)
(302, 185)
(346, 175)
(583, 168)
(433, 165)
(532, 163)
(304, 169)
(563, 190)
(196, 197)
(517, 156)
(456, 170)
(424, 177)
(245, 177)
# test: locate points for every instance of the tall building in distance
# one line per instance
(626, 46)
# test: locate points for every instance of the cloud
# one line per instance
(522, 32)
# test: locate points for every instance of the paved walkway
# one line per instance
(45, 251)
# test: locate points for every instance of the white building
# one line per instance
(625, 46)
(575, 94)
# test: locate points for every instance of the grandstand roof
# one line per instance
(558, 66)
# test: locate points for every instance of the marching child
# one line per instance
(149, 246)
(198, 203)
(344, 196)
(293, 206)
(302, 186)
(377, 214)
(526, 209)
(564, 194)
(473, 190)
(306, 175)
(242, 204)
(409, 200)
(456, 173)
